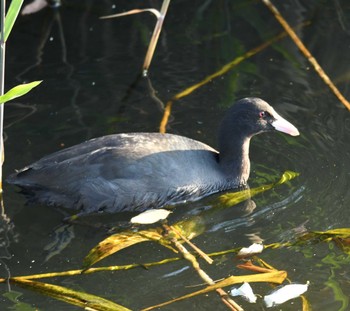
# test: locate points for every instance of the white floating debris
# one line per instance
(150, 217)
(255, 248)
(34, 7)
(245, 291)
(284, 294)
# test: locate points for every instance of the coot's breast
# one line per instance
(125, 172)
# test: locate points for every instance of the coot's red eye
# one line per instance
(262, 114)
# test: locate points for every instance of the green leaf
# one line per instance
(18, 91)
(233, 198)
(118, 241)
(11, 16)
(81, 299)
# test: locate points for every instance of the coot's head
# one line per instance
(251, 116)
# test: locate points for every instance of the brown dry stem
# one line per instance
(251, 267)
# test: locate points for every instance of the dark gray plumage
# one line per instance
(138, 171)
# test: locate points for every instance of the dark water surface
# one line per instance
(90, 69)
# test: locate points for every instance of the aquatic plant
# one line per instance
(6, 25)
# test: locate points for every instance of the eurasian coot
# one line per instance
(138, 171)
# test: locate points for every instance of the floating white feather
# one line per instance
(284, 294)
(245, 291)
(150, 216)
(255, 248)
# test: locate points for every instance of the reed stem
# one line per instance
(2, 84)
(155, 36)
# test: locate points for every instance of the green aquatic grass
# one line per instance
(18, 91)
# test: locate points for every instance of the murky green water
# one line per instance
(90, 69)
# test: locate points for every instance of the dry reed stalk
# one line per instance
(155, 36)
(232, 305)
(198, 250)
(156, 32)
(306, 53)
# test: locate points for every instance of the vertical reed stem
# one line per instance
(2, 83)
(155, 36)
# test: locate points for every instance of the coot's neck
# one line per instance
(234, 159)
(234, 140)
